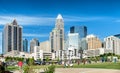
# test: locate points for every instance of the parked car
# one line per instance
(37, 62)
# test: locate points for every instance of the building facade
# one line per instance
(74, 41)
(25, 45)
(57, 35)
(45, 46)
(12, 37)
(34, 42)
(112, 43)
(93, 42)
(82, 30)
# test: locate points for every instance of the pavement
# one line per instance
(79, 70)
(85, 70)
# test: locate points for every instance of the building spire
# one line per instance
(59, 16)
(14, 22)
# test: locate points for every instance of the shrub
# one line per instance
(28, 69)
(50, 69)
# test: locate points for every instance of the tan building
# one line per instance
(57, 35)
(93, 42)
(45, 46)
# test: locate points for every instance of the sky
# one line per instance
(37, 17)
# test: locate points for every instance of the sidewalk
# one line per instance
(79, 70)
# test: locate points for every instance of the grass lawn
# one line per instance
(12, 68)
(106, 65)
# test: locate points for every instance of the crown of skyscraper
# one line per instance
(14, 22)
(59, 16)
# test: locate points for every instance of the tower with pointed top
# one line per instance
(57, 35)
(12, 37)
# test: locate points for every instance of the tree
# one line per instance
(47, 59)
(30, 61)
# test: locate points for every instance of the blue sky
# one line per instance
(102, 17)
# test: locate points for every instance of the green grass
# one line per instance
(106, 65)
(96, 65)
(12, 68)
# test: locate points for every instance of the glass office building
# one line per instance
(82, 30)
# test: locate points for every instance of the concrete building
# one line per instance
(94, 52)
(112, 43)
(15, 53)
(57, 35)
(71, 53)
(34, 42)
(12, 37)
(45, 46)
(25, 45)
(37, 53)
(93, 42)
(81, 30)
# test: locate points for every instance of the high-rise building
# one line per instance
(74, 42)
(12, 37)
(82, 30)
(93, 42)
(57, 35)
(25, 45)
(83, 44)
(112, 44)
(34, 42)
(45, 46)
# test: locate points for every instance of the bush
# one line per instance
(50, 69)
(28, 69)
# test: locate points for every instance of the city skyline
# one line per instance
(100, 17)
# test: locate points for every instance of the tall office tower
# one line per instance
(74, 41)
(57, 35)
(34, 42)
(25, 45)
(112, 44)
(82, 30)
(12, 37)
(93, 42)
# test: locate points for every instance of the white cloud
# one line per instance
(35, 35)
(35, 20)
(27, 20)
(84, 19)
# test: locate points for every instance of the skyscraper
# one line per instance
(82, 30)
(12, 37)
(57, 35)
(25, 45)
(34, 42)
(93, 42)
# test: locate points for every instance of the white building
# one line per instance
(37, 54)
(112, 43)
(93, 52)
(18, 54)
(71, 53)
(12, 37)
(45, 46)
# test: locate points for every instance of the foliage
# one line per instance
(28, 69)
(50, 69)
(47, 59)
(31, 61)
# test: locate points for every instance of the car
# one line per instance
(37, 62)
